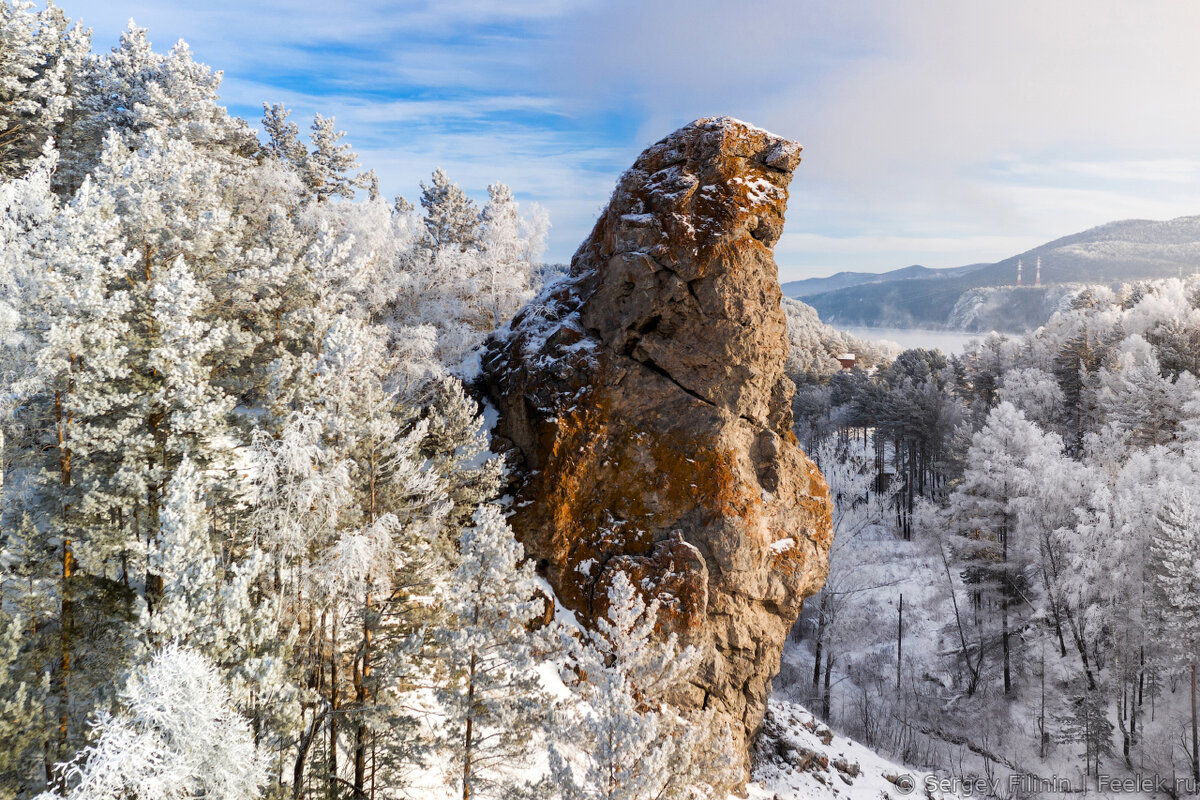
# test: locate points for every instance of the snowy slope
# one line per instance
(1114, 253)
(799, 758)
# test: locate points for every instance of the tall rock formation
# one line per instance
(644, 402)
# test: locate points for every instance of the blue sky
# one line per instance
(935, 131)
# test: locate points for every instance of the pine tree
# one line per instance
(1037, 394)
(1175, 558)
(451, 219)
(212, 604)
(1074, 365)
(63, 49)
(143, 396)
(996, 544)
(357, 498)
(630, 744)
(283, 136)
(177, 737)
(41, 55)
(1143, 407)
(494, 702)
(73, 330)
(22, 703)
(507, 252)
(18, 60)
(133, 91)
(328, 167)
(115, 383)
(1086, 723)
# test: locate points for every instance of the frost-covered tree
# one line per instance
(451, 218)
(624, 742)
(328, 167)
(65, 261)
(133, 90)
(1136, 401)
(62, 49)
(494, 702)
(18, 59)
(41, 54)
(22, 700)
(175, 737)
(1175, 554)
(213, 604)
(1085, 723)
(139, 365)
(357, 497)
(283, 136)
(1036, 393)
(508, 255)
(995, 543)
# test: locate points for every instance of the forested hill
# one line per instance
(841, 280)
(1025, 515)
(1109, 254)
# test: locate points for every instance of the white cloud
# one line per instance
(935, 130)
(1163, 170)
(905, 107)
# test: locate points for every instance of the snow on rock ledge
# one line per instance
(798, 758)
(644, 403)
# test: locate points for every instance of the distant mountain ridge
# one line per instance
(842, 280)
(1116, 252)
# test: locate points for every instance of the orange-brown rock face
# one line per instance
(644, 401)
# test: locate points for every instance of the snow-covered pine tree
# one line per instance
(71, 331)
(507, 279)
(1142, 406)
(63, 49)
(1084, 722)
(22, 708)
(328, 167)
(358, 498)
(18, 59)
(184, 562)
(457, 445)
(133, 90)
(451, 218)
(151, 401)
(114, 375)
(494, 703)
(996, 547)
(622, 742)
(283, 136)
(1037, 394)
(41, 54)
(176, 737)
(1074, 367)
(1175, 566)
(213, 603)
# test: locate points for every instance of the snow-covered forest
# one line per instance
(249, 545)
(254, 542)
(1013, 583)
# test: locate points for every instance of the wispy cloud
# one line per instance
(1163, 170)
(935, 131)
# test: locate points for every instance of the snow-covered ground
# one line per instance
(800, 758)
